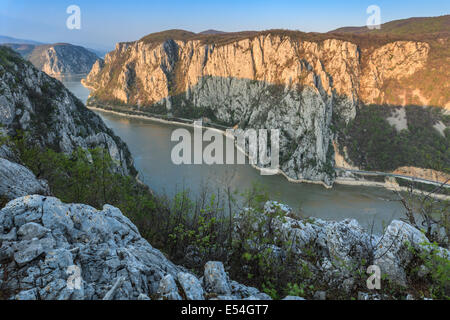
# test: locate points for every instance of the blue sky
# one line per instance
(103, 23)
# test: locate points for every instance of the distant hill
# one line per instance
(62, 58)
(405, 27)
(211, 31)
(23, 49)
(6, 39)
(173, 34)
(57, 59)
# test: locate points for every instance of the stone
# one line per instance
(393, 254)
(61, 59)
(27, 251)
(143, 297)
(17, 181)
(368, 296)
(320, 295)
(409, 296)
(191, 286)
(215, 279)
(293, 298)
(168, 289)
(112, 292)
(31, 294)
(11, 236)
(243, 291)
(68, 125)
(225, 297)
(32, 230)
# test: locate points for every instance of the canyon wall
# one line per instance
(62, 59)
(33, 103)
(265, 81)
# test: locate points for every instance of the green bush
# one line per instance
(431, 271)
(373, 144)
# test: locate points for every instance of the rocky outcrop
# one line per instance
(396, 250)
(395, 60)
(32, 102)
(342, 249)
(94, 72)
(52, 250)
(267, 80)
(17, 181)
(62, 59)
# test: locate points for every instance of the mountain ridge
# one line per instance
(58, 59)
(7, 39)
(408, 26)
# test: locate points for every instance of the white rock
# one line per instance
(215, 279)
(191, 286)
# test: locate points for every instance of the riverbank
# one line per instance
(393, 186)
(223, 132)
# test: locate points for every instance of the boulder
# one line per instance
(168, 289)
(191, 286)
(17, 181)
(52, 250)
(104, 244)
(32, 230)
(215, 279)
(347, 243)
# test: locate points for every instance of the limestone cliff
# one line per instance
(263, 80)
(32, 102)
(62, 59)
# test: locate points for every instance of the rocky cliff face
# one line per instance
(62, 59)
(396, 60)
(52, 117)
(263, 81)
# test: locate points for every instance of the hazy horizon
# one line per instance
(104, 23)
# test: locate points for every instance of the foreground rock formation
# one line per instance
(341, 249)
(52, 250)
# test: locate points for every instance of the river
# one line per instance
(150, 145)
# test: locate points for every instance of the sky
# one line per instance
(104, 23)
